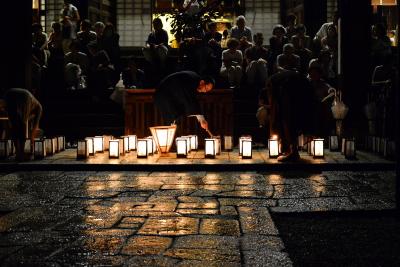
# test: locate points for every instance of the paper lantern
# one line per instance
(318, 148)
(384, 2)
(4, 149)
(189, 146)
(240, 142)
(141, 148)
(126, 143)
(106, 142)
(55, 142)
(228, 143)
(350, 149)
(11, 147)
(132, 142)
(50, 146)
(61, 143)
(28, 147)
(121, 146)
(150, 146)
(246, 149)
(181, 147)
(377, 144)
(273, 145)
(343, 145)
(82, 151)
(39, 149)
(98, 144)
(301, 142)
(113, 151)
(194, 143)
(209, 148)
(164, 137)
(90, 145)
(217, 145)
(333, 143)
(311, 148)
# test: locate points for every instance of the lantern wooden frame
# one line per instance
(273, 148)
(164, 137)
(82, 151)
(181, 147)
(318, 152)
(209, 148)
(247, 145)
(113, 151)
(142, 145)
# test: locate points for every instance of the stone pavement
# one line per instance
(168, 219)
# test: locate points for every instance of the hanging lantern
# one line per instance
(194, 143)
(181, 147)
(98, 144)
(39, 148)
(28, 147)
(318, 148)
(132, 142)
(333, 143)
(50, 146)
(228, 143)
(164, 137)
(113, 152)
(90, 145)
(141, 148)
(106, 142)
(61, 143)
(246, 149)
(273, 146)
(343, 145)
(82, 151)
(4, 149)
(209, 148)
(217, 145)
(350, 149)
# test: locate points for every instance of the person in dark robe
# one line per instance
(24, 113)
(292, 110)
(175, 96)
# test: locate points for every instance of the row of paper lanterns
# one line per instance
(380, 145)
(42, 147)
(316, 146)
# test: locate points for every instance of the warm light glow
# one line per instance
(209, 147)
(217, 145)
(50, 149)
(35, 4)
(318, 148)
(384, 2)
(121, 146)
(113, 149)
(188, 140)
(246, 147)
(98, 144)
(126, 144)
(150, 146)
(343, 145)
(141, 148)
(163, 136)
(181, 147)
(301, 141)
(132, 142)
(311, 151)
(228, 142)
(194, 143)
(273, 145)
(90, 145)
(61, 143)
(82, 149)
(55, 143)
(240, 143)
(106, 142)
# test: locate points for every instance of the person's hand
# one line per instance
(204, 124)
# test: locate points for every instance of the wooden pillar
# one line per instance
(397, 89)
(356, 38)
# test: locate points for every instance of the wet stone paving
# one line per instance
(168, 219)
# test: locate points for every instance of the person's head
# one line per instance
(56, 27)
(86, 25)
(241, 22)
(74, 46)
(225, 33)
(206, 84)
(258, 39)
(108, 30)
(315, 73)
(279, 30)
(157, 24)
(291, 20)
(212, 26)
(37, 28)
(288, 49)
(232, 43)
(67, 3)
(301, 29)
(99, 28)
(92, 47)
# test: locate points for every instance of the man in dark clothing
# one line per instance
(176, 96)
(24, 112)
(292, 110)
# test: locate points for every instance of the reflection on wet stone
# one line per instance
(146, 245)
(219, 227)
(170, 226)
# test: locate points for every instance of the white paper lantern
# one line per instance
(61, 143)
(142, 147)
(82, 151)
(247, 149)
(50, 146)
(350, 149)
(209, 148)
(163, 137)
(273, 146)
(333, 143)
(181, 147)
(240, 142)
(113, 152)
(194, 143)
(318, 148)
(39, 149)
(90, 145)
(98, 144)
(132, 142)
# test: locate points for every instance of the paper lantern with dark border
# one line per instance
(318, 148)
(113, 151)
(181, 147)
(141, 148)
(82, 151)
(39, 149)
(209, 148)
(247, 152)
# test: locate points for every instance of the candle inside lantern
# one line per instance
(98, 144)
(113, 152)
(132, 142)
(273, 146)
(240, 143)
(228, 143)
(246, 149)
(142, 148)
(209, 148)
(318, 148)
(90, 145)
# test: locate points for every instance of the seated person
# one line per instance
(288, 60)
(132, 76)
(156, 49)
(24, 113)
(256, 57)
(232, 60)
